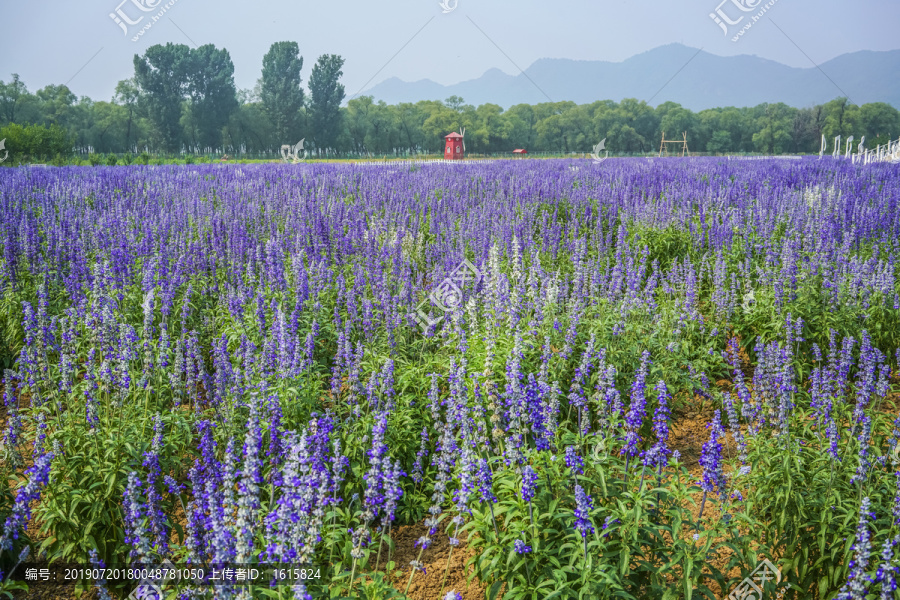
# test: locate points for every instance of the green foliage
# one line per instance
(29, 143)
(211, 91)
(629, 519)
(180, 95)
(326, 96)
(664, 245)
(162, 76)
(281, 94)
(797, 506)
(807, 502)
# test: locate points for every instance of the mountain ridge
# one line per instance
(689, 76)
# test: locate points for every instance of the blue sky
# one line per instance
(50, 41)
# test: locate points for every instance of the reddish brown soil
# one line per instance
(427, 585)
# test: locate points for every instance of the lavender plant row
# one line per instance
(220, 365)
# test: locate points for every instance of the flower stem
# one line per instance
(409, 583)
(702, 505)
(531, 517)
(352, 575)
(494, 521)
(389, 547)
(449, 557)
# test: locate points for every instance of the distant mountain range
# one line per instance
(699, 80)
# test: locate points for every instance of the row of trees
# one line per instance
(185, 99)
(629, 126)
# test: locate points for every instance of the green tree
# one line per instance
(104, 127)
(383, 135)
(880, 123)
(553, 131)
(410, 118)
(57, 105)
(12, 97)
(490, 131)
(577, 128)
(441, 120)
(127, 95)
(454, 103)
(280, 91)
(710, 122)
(806, 130)
(162, 77)
(639, 125)
(720, 142)
(358, 121)
(522, 121)
(841, 118)
(249, 129)
(774, 134)
(212, 93)
(675, 121)
(26, 143)
(326, 95)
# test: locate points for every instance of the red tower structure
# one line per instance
(454, 148)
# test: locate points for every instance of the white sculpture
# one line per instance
(889, 152)
(848, 147)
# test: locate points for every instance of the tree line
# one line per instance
(183, 99)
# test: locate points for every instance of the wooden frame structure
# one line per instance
(682, 141)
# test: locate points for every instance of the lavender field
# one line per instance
(257, 365)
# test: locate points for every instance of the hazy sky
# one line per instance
(52, 41)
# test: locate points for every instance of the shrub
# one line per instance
(143, 158)
(112, 160)
(31, 143)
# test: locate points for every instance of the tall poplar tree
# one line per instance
(326, 94)
(280, 91)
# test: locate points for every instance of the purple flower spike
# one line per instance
(711, 459)
(583, 506)
(638, 410)
(573, 461)
(856, 586)
(485, 482)
(38, 477)
(529, 484)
